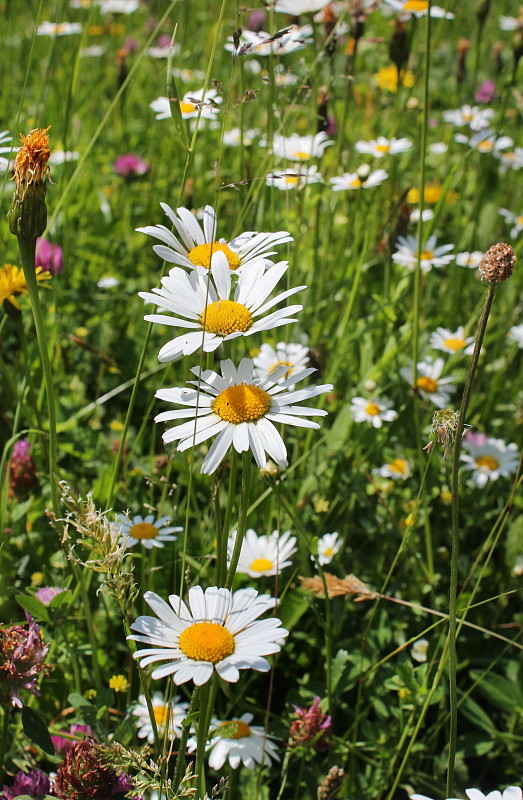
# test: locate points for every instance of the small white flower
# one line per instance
(328, 546)
(6, 148)
(431, 255)
(438, 148)
(509, 23)
(510, 159)
(118, 6)
(397, 470)
(300, 148)
(93, 51)
(485, 141)
(294, 356)
(428, 214)
(510, 793)
(516, 333)
(297, 7)
(470, 260)
(191, 105)
(233, 138)
(517, 569)
(172, 713)
(416, 8)
(429, 383)
(489, 460)
(374, 411)
(355, 180)
(58, 28)
(108, 282)
(293, 179)
(452, 341)
(263, 44)
(473, 116)
(148, 531)
(516, 220)
(381, 146)
(263, 555)
(218, 630)
(419, 649)
(245, 744)
(58, 157)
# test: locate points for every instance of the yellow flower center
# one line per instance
(485, 146)
(467, 116)
(226, 316)
(291, 179)
(207, 641)
(454, 344)
(372, 409)
(426, 255)
(519, 220)
(328, 552)
(160, 714)
(383, 148)
(187, 108)
(201, 255)
(415, 5)
(243, 403)
(489, 462)
(282, 364)
(242, 729)
(142, 530)
(398, 466)
(432, 194)
(356, 183)
(426, 384)
(301, 155)
(261, 565)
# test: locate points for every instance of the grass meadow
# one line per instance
(303, 580)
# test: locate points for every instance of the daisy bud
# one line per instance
(497, 264)
(28, 213)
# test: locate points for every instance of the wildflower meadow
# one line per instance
(261, 370)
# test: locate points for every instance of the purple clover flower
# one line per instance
(46, 593)
(33, 784)
(49, 256)
(21, 660)
(130, 166)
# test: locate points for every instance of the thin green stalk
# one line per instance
(179, 770)
(455, 537)
(3, 738)
(221, 556)
(242, 517)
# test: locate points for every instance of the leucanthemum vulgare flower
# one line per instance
(150, 532)
(488, 459)
(431, 256)
(415, 8)
(363, 178)
(300, 148)
(204, 303)
(398, 470)
(240, 411)
(382, 146)
(5, 148)
(328, 546)
(510, 793)
(263, 44)
(516, 334)
(172, 714)
(374, 411)
(47, 28)
(218, 630)
(470, 260)
(452, 341)
(473, 116)
(429, 384)
(192, 104)
(196, 248)
(286, 179)
(290, 354)
(240, 743)
(297, 7)
(263, 555)
(485, 141)
(516, 220)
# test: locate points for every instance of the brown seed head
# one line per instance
(497, 264)
(31, 161)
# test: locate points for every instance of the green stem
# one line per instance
(221, 566)
(242, 518)
(3, 738)
(455, 538)
(186, 729)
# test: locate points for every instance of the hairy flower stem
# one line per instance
(179, 769)
(242, 518)
(455, 537)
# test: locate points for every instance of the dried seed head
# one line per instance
(497, 264)
(28, 213)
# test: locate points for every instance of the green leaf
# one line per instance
(64, 598)
(292, 609)
(339, 667)
(476, 715)
(36, 730)
(78, 701)
(33, 606)
(504, 694)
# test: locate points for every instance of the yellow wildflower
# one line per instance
(119, 683)
(387, 79)
(12, 283)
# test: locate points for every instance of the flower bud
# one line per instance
(28, 213)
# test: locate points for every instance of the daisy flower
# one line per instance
(361, 179)
(510, 159)
(429, 384)
(470, 260)
(397, 470)
(263, 44)
(218, 630)
(516, 220)
(263, 555)
(509, 23)
(427, 215)
(289, 354)
(205, 305)
(381, 146)
(6, 148)
(328, 546)
(300, 148)
(452, 341)
(485, 141)
(431, 256)
(58, 28)
(418, 651)
(241, 743)
(297, 7)
(59, 157)
(473, 116)
(374, 411)
(191, 104)
(416, 8)
(516, 333)
(196, 248)
(148, 531)
(118, 6)
(291, 179)
(510, 793)
(172, 713)
(240, 411)
(489, 460)
(438, 148)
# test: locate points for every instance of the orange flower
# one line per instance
(31, 160)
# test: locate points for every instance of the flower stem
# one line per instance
(455, 537)
(186, 729)
(3, 737)
(221, 556)
(242, 518)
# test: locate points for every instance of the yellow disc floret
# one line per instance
(454, 344)
(142, 530)
(382, 148)
(207, 641)
(301, 155)
(372, 409)
(487, 461)
(243, 403)
(226, 316)
(242, 729)
(261, 565)
(160, 714)
(187, 108)
(202, 253)
(426, 384)
(415, 5)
